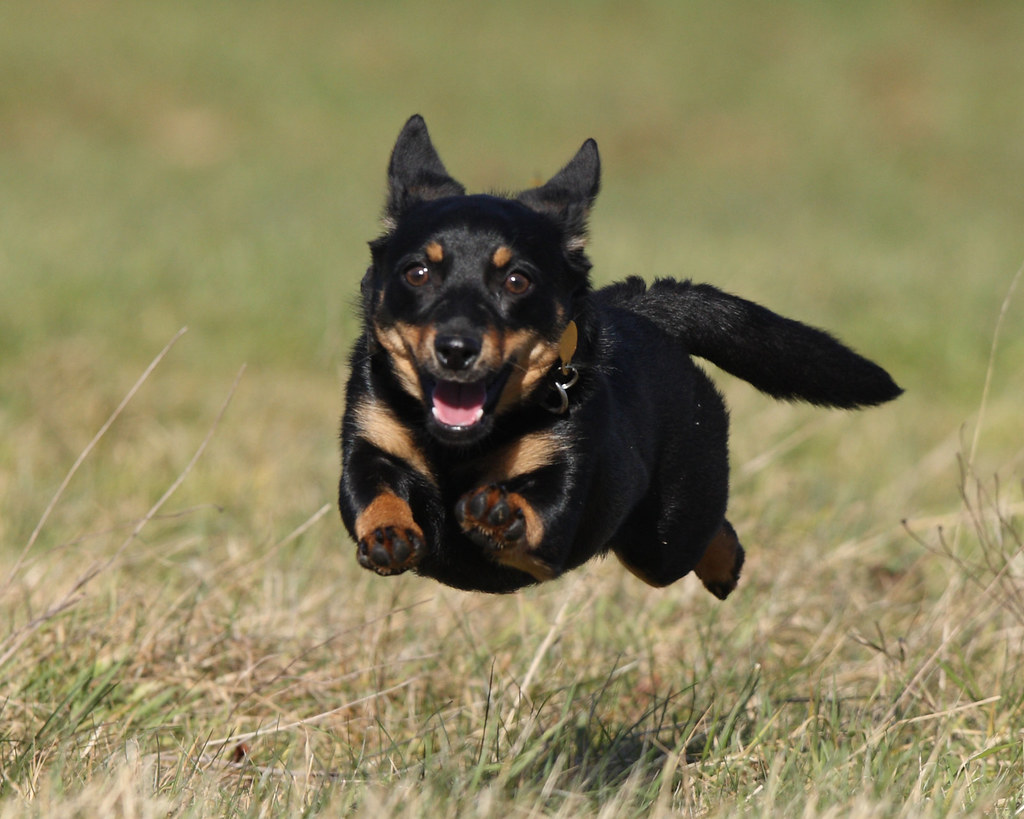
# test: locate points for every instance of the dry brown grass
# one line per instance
(220, 166)
(181, 660)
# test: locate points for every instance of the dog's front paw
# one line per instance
(390, 549)
(389, 541)
(492, 518)
(506, 526)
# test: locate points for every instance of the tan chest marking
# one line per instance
(528, 454)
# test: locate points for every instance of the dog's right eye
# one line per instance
(417, 275)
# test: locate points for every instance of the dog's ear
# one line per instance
(569, 195)
(416, 173)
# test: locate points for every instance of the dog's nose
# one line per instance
(456, 352)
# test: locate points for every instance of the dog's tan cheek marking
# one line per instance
(490, 349)
(387, 509)
(502, 256)
(414, 337)
(534, 356)
(435, 252)
(541, 359)
(378, 425)
(422, 340)
(402, 341)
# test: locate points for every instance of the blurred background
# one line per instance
(220, 166)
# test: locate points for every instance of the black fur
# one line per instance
(458, 461)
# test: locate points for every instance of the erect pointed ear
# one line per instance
(416, 173)
(569, 195)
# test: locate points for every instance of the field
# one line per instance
(186, 190)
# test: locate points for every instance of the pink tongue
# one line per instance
(459, 405)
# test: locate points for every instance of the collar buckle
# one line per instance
(564, 380)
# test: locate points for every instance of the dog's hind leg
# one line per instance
(660, 550)
(659, 561)
(719, 569)
(665, 562)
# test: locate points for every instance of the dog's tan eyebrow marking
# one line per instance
(502, 256)
(435, 252)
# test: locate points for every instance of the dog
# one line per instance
(505, 422)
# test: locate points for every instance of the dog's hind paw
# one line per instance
(719, 568)
(390, 550)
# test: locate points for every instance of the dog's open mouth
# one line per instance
(458, 405)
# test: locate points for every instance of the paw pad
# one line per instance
(389, 550)
(492, 518)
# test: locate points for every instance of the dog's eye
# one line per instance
(517, 283)
(417, 275)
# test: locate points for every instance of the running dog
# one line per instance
(505, 422)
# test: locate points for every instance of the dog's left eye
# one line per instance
(517, 283)
(417, 275)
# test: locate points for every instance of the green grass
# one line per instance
(221, 166)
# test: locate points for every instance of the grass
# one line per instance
(184, 629)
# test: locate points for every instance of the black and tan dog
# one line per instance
(505, 422)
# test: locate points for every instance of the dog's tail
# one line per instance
(779, 356)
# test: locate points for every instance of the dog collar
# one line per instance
(567, 375)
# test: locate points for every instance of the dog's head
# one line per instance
(470, 296)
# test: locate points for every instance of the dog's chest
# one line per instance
(502, 463)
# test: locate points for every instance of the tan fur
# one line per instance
(533, 357)
(379, 425)
(525, 455)
(534, 525)
(502, 256)
(435, 252)
(718, 568)
(531, 354)
(526, 562)
(386, 509)
(638, 573)
(402, 342)
(524, 559)
(490, 350)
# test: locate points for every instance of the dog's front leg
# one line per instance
(385, 504)
(508, 527)
(524, 513)
(389, 541)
